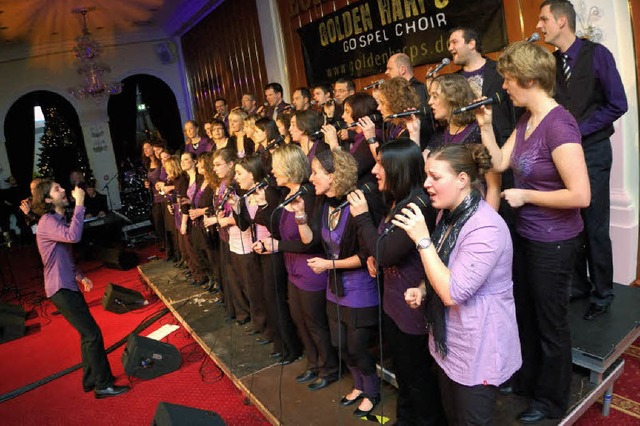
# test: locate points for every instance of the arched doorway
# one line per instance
(162, 114)
(63, 150)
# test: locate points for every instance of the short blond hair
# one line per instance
(293, 162)
(527, 62)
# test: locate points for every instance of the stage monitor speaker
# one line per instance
(121, 300)
(148, 358)
(11, 322)
(178, 415)
(115, 258)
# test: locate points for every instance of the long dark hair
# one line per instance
(403, 166)
(269, 127)
(253, 165)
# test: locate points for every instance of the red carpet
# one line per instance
(52, 345)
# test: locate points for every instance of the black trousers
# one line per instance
(204, 261)
(419, 400)
(237, 286)
(96, 370)
(309, 314)
(467, 405)
(541, 292)
(279, 328)
(157, 217)
(596, 254)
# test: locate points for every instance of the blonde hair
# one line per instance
(293, 162)
(527, 62)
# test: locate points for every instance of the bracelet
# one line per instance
(302, 219)
(372, 140)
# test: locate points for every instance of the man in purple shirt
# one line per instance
(55, 238)
(589, 86)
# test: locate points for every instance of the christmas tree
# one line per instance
(60, 152)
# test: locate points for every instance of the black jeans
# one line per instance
(72, 306)
(418, 393)
(467, 405)
(596, 254)
(542, 281)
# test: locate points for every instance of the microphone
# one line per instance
(225, 197)
(445, 61)
(264, 182)
(373, 117)
(366, 189)
(423, 110)
(420, 198)
(276, 141)
(374, 84)
(303, 190)
(493, 100)
(339, 125)
(533, 37)
(313, 102)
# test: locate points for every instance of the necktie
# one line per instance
(566, 69)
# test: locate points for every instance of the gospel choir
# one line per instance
(465, 230)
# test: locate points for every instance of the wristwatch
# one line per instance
(424, 243)
(372, 140)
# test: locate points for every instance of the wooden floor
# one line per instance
(271, 387)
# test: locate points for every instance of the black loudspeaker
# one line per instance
(115, 258)
(178, 415)
(11, 322)
(120, 299)
(147, 358)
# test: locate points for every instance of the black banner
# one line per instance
(357, 40)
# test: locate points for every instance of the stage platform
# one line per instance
(272, 388)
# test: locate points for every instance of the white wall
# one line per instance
(57, 72)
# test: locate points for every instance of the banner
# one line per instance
(356, 41)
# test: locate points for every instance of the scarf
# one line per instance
(445, 237)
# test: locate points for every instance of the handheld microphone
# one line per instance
(493, 100)
(374, 84)
(339, 125)
(533, 37)
(373, 117)
(421, 198)
(313, 102)
(423, 110)
(225, 197)
(303, 190)
(445, 61)
(366, 189)
(277, 141)
(264, 182)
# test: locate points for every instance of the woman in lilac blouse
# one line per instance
(551, 185)
(468, 296)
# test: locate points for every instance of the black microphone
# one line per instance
(420, 198)
(303, 190)
(374, 84)
(366, 189)
(339, 125)
(493, 100)
(225, 197)
(423, 110)
(277, 141)
(445, 61)
(533, 37)
(373, 117)
(264, 182)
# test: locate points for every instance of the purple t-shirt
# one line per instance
(533, 168)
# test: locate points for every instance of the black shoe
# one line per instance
(345, 402)
(198, 283)
(531, 415)
(170, 258)
(305, 377)
(288, 359)
(243, 321)
(274, 355)
(594, 311)
(229, 319)
(361, 413)
(252, 332)
(88, 388)
(111, 391)
(263, 341)
(322, 382)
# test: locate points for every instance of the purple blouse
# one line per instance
(482, 332)
(299, 272)
(533, 168)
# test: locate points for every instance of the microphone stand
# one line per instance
(106, 186)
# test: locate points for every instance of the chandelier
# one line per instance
(88, 51)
